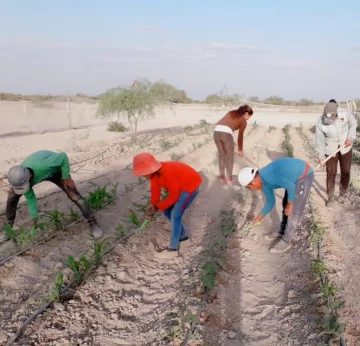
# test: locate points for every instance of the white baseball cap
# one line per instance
(246, 175)
(19, 178)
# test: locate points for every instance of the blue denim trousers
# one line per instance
(175, 214)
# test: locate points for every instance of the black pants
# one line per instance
(72, 193)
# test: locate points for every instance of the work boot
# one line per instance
(280, 247)
(96, 231)
(331, 201)
(167, 253)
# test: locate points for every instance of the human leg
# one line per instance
(331, 171)
(11, 205)
(229, 149)
(74, 195)
(345, 168)
(222, 153)
(178, 232)
(303, 187)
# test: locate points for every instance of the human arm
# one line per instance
(352, 129)
(172, 198)
(270, 202)
(32, 204)
(242, 128)
(320, 140)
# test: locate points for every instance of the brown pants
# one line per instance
(331, 171)
(225, 145)
(72, 193)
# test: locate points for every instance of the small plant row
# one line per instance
(330, 327)
(55, 222)
(287, 146)
(83, 266)
(204, 281)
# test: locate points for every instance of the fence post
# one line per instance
(68, 111)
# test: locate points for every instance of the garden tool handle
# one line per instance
(328, 158)
(244, 157)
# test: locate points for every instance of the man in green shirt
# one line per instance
(42, 166)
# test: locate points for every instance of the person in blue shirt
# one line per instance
(293, 175)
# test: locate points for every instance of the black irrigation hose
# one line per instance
(64, 290)
(54, 234)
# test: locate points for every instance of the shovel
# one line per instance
(328, 158)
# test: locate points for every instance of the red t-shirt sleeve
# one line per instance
(174, 194)
(155, 191)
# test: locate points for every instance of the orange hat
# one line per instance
(144, 164)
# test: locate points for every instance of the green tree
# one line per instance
(166, 93)
(136, 103)
(274, 100)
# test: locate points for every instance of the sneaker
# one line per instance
(167, 253)
(330, 202)
(272, 236)
(96, 231)
(280, 247)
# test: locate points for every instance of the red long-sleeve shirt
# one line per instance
(175, 177)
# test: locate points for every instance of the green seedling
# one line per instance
(25, 237)
(332, 328)
(99, 197)
(55, 293)
(203, 122)
(144, 225)
(56, 218)
(140, 207)
(209, 275)
(73, 215)
(11, 233)
(80, 268)
(99, 250)
(271, 128)
(164, 194)
(121, 232)
(328, 290)
(133, 218)
(318, 267)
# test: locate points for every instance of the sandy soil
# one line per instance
(136, 299)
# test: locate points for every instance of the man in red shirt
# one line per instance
(182, 183)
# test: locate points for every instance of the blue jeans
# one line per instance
(175, 214)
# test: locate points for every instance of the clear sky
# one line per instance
(294, 49)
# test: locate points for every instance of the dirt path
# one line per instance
(264, 299)
(341, 242)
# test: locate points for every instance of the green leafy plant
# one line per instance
(318, 267)
(73, 215)
(100, 196)
(98, 249)
(287, 146)
(56, 218)
(177, 157)
(121, 232)
(209, 275)
(55, 292)
(11, 233)
(271, 128)
(133, 218)
(79, 267)
(25, 237)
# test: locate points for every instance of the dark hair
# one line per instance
(333, 101)
(241, 111)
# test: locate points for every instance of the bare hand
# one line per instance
(240, 153)
(288, 209)
(348, 143)
(257, 220)
(321, 163)
(151, 210)
(69, 183)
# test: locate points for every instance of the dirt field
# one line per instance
(259, 298)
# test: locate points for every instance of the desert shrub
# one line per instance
(116, 126)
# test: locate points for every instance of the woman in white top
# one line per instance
(224, 140)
